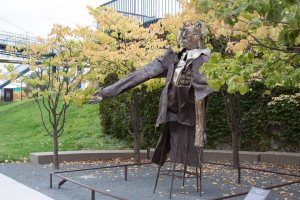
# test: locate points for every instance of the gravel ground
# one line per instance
(216, 181)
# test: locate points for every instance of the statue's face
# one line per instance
(190, 36)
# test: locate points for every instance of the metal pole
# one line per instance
(125, 172)
(197, 180)
(239, 175)
(160, 162)
(174, 168)
(184, 170)
(93, 195)
(51, 180)
(200, 180)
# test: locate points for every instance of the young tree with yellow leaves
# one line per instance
(58, 69)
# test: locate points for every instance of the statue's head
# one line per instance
(191, 35)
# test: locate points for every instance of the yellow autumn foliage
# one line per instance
(121, 44)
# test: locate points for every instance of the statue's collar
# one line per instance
(196, 52)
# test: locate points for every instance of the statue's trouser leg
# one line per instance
(160, 154)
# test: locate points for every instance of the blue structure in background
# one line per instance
(16, 40)
(16, 57)
(148, 11)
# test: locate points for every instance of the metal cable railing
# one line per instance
(148, 11)
(13, 39)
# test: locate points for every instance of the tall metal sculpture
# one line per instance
(182, 102)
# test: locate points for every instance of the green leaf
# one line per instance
(255, 23)
(243, 89)
(250, 56)
(275, 13)
(291, 2)
(261, 6)
(267, 92)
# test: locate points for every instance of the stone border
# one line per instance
(209, 155)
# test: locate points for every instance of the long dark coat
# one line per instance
(158, 68)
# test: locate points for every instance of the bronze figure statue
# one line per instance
(183, 99)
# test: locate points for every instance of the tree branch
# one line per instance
(41, 113)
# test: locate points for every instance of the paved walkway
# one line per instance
(13, 190)
(217, 181)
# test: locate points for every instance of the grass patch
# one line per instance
(21, 131)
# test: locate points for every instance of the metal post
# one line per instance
(239, 175)
(125, 172)
(200, 182)
(184, 171)
(51, 180)
(197, 181)
(93, 195)
(160, 163)
(174, 168)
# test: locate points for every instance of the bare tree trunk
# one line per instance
(235, 127)
(135, 126)
(232, 103)
(55, 150)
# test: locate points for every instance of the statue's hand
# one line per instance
(96, 98)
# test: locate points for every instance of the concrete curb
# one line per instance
(84, 155)
(280, 157)
(217, 155)
(208, 155)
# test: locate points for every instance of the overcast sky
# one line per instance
(36, 17)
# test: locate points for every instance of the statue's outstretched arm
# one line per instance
(154, 69)
(131, 80)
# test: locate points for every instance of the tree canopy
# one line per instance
(259, 41)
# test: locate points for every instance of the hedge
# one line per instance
(264, 127)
